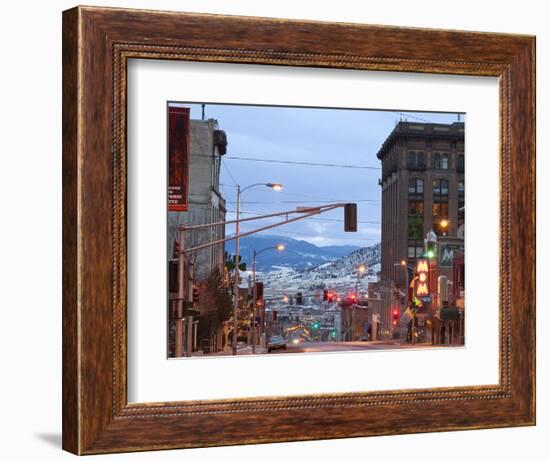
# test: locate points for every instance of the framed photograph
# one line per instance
(281, 230)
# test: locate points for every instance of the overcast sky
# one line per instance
(311, 135)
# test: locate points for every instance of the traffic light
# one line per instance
(431, 250)
(259, 290)
(350, 217)
(230, 263)
(173, 276)
(330, 297)
(299, 299)
(325, 295)
(196, 294)
(395, 316)
(242, 265)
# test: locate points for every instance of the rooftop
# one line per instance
(423, 130)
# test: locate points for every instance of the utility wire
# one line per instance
(229, 173)
(297, 195)
(313, 219)
(314, 201)
(293, 162)
(406, 114)
(282, 233)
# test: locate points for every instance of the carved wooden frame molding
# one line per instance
(97, 43)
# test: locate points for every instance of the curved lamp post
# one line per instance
(275, 187)
(279, 247)
(361, 269)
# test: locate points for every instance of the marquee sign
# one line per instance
(422, 284)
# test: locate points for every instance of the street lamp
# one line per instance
(279, 247)
(361, 268)
(275, 187)
(444, 225)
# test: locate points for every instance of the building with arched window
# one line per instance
(422, 189)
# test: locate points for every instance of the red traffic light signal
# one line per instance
(196, 294)
(330, 296)
(259, 290)
(395, 316)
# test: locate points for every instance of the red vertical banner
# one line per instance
(178, 158)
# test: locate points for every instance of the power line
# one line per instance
(336, 238)
(293, 162)
(313, 219)
(408, 115)
(413, 116)
(329, 199)
(229, 173)
(314, 201)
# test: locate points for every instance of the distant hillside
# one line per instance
(340, 275)
(298, 254)
(347, 265)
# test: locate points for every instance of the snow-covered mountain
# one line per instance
(298, 254)
(341, 275)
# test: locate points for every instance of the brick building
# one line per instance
(422, 190)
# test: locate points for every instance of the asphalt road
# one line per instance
(347, 346)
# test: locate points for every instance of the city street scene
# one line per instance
(309, 230)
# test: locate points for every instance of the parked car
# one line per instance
(276, 342)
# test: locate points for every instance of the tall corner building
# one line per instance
(422, 190)
(206, 204)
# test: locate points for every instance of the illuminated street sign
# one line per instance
(446, 256)
(422, 285)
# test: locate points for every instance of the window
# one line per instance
(440, 206)
(460, 194)
(460, 202)
(415, 161)
(416, 207)
(444, 161)
(441, 210)
(416, 186)
(440, 190)
(415, 227)
(416, 196)
(437, 161)
(414, 252)
(441, 161)
(460, 163)
(412, 159)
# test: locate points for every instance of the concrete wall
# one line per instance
(206, 204)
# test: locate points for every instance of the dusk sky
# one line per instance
(329, 136)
